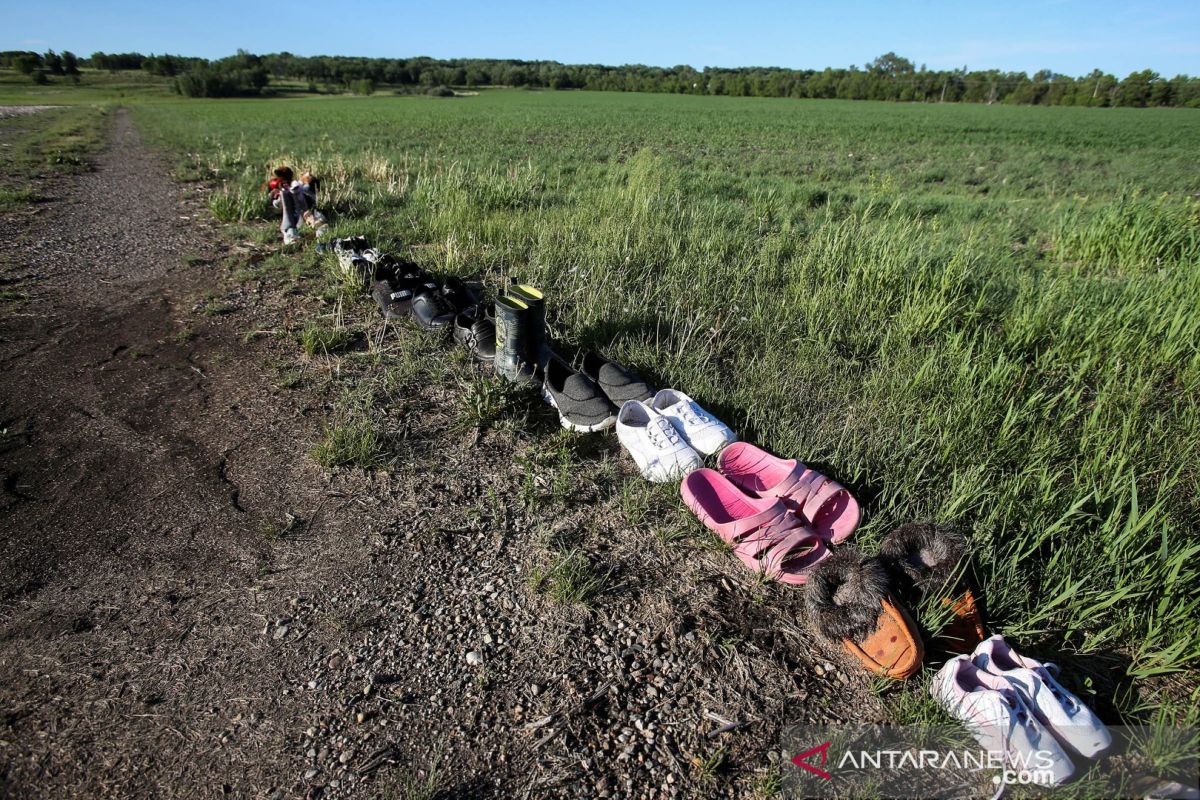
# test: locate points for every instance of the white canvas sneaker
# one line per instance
(290, 236)
(1000, 720)
(1072, 722)
(656, 447)
(704, 432)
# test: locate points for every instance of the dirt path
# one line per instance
(189, 607)
(141, 462)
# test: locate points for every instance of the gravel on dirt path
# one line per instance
(141, 461)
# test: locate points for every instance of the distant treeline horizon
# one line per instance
(888, 77)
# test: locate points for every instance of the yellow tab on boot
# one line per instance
(515, 302)
(534, 294)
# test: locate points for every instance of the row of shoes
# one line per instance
(779, 516)
(666, 432)
(404, 290)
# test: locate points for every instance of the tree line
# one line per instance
(889, 77)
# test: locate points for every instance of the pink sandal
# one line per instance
(762, 531)
(825, 503)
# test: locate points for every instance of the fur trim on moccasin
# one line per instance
(845, 594)
(924, 554)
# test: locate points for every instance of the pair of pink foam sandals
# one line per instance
(778, 515)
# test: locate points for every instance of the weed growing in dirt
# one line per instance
(571, 578)
(414, 787)
(272, 530)
(710, 766)
(13, 199)
(768, 785)
(319, 339)
(354, 442)
(290, 376)
(492, 403)
(215, 306)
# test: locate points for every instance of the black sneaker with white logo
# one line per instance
(396, 284)
(581, 405)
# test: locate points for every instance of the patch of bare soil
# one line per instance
(21, 111)
(190, 607)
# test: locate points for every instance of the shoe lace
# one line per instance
(693, 414)
(1010, 699)
(1047, 673)
(662, 434)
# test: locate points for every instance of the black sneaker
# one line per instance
(396, 284)
(475, 329)
(459, 294)
(618, 384)
(431, 309)
(581, 405)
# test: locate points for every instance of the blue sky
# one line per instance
(1066, 36)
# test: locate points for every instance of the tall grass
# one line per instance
(1131, 233)
(991, 351)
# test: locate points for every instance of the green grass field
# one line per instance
(986, 315)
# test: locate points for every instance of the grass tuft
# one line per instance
(14, 199)
(571, 579)
(354, 442)
(319, 339)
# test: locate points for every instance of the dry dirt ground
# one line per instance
(191, 607)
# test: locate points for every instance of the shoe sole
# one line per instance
(603, 424)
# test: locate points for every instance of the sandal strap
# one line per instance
(762, 519)
(786, 486)
(812, 491)
(767, 548)
(828, 491)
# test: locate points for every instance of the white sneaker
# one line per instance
(1000, 720)
(290, 236)
(372, 255)
(704, 432)
(655, 445)
(1073, 723)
